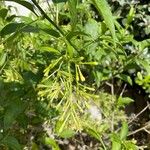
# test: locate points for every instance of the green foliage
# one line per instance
(11, 142)
(3, 13)
(138, 17)
(52, 69)
(104, 10)
(143, 81)
(122, 101)
(119, 141)
(51, 142)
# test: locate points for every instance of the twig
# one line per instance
(124, 87)
(144, 109)
(111, 87)
(140, 129)
(142, 147)
(112, 95)
(147, 131)
(103, 144)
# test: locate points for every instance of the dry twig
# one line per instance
(145, 128)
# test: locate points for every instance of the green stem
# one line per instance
(52, 22)
(57, 22)
(46, 16)
(103, 144)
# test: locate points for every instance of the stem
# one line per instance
(57, 22)
(52, 22)
(47, 17)
(144, 109)
(145, 128)
(50, 9)
(103, 144)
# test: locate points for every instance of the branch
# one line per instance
(147, 126)
(47, 17)
(144, 109)
(52, 22)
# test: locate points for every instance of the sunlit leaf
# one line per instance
(73, 12)
(104, 10)
(93, 133)
(145, 64)
(49, 49)
(131, 14)
(92, 29)
(125, 78)
(3, 59)
(123, 101)
(67, 133)
(51, 143)
(124, 131)
(116, 142)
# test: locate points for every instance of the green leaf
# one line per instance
(51, 142)
(93, 133)
(124, 131)
(10, 28)
(49, 49)
(59, 1)
(3, 13)
(67, 133)
(116, 142)
(104, 10)
(34, 146)
(10, 18)
(91, 28)
(58, 126)
(3, 59)
(72, 34)
(51, 32)
(125, 78)
(139, 75)
(29, 28)
(24, 3)
(129, 145)
(1, 136)
(51, 66)
(144, 44)
(12, 111)
(73, 12)
(130, 15)
(26, 19)
(12, 143)
(8, 119)
(144, 63)
(70, 50)
(116, 145)
(122, 101)
(14, 27)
